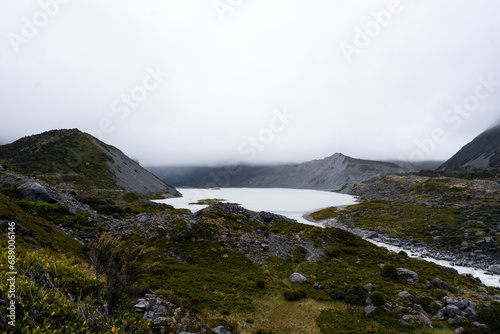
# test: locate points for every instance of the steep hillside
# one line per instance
(73, 159)
(481, 153)
(336, 173)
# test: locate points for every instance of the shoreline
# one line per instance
(468, 264)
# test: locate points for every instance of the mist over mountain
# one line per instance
(335, 173)
(483, 152)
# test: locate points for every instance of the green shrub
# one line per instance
(433, 308)
(299, 254)
(490, 316)
(390, 271)
(332, 252)
(122, 265)
(440, 294)
(131, 197)
(46, 210)
(260, 283)
(378, 298)
(12, 192)
(294, 295)
(337, 294)
(356, 295)
(427, 303)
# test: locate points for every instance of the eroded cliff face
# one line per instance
(131, 176)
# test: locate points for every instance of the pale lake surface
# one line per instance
(293, 203)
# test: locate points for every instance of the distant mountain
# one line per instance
(335, 173)
(77, 160)
(483, 152)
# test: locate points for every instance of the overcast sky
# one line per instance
(178, 82)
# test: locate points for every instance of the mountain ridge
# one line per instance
(483, 152)
(73, 159)
(337, 172)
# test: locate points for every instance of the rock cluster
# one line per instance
(487, 261)
(167, 318)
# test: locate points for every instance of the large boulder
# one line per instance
(405, 295)
(406, 274)
(371, 310)
(495, 269)
(297, 278)
(453, 311)
(440, 284)
(34, 191)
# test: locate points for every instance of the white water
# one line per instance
(291, 203)
(489, 280)
(294, 204)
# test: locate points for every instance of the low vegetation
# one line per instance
(83, 271)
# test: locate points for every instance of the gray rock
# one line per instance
(482, 289)
(428, 321)
(143, 305)
(405, 295)
(440, 284)
(495, 269)
(34, 191)
(159, 320)
(440, 315)
(453, 311)
(297, 278)
(448, 300)
(371, 310)
(477, 324)
(388, 306)
(407, 274)
(403, 323)
(462, 304)
(469, 313)
(459, 330)
(368, 287)
(221, 330)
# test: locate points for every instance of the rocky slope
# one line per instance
(481, 153)
(224, 269)
(444, 216)
(73, 159)
(335, 173)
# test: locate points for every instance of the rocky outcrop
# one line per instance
(37, 190)
(165, 317)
